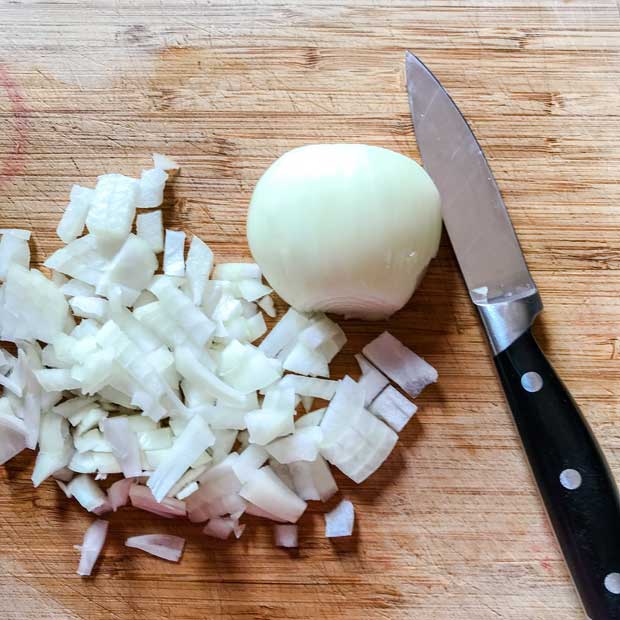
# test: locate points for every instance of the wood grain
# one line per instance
(451, 528)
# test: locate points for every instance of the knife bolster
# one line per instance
(505, 321)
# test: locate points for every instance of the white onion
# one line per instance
(236, 271)
(13, 251)
(264, 425)
(222, 528)
(141, 497)
(344, 228)
(265, 490)
(302, 445)
(400, 364)
(16, 232)
(197, 269)
(71, 225)
(285, 535)
(392, 407)
(284, 333)
(313, 418)
(174, 263)
(372, 382)
(86, 492)
(163, 162)
(266, 305)
(339, 522)
(150, 227)
(313, 480)
(92, 544)
(163, 546)
(124, 444)
(151, 188)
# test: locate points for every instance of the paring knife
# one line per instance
(576, 485)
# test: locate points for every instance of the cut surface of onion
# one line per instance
(164, 546)
(285, 536)
(400, 364)
(94, 539)
(393, 408)
(339, 522)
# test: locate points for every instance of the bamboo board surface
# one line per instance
(451, 528)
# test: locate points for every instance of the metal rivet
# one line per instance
(570, 479)
(612, 583)
(531, 381)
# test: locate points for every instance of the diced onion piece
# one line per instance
(74, 288)
(339, 522)
(251, 459)
(13, 251)
(392, 407)
(265, 490)
(191, 369)
(247, 369)
(251, 289)
(87, 492)
(150, 227)
(348, 400)
(187, 490)
(12, 432)
(284, 333)
(164, 163)
(285, 536)
(164, 546)
(151, 188)
(320, 331)
(266, 305)
(141, 497)
(265, 425)
(89, 307)
(71, 224)
(302, 445)
(124, 444)
(56, 379)
(81, 259)
(306, 361)
(224, 441)
(363, 363)
(192, 442)
(55, 447)
(118, 493)
(222, 527)
(237, 271)
(37, 305)
(372, 382)
(16, 232)
(310, 386)
(197, 269)
(313, 480)
(400, 364)
(112, 210)
(174, 261)
(313, 418)
(94, 539)
(251, 509)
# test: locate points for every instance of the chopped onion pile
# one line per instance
(157, 379)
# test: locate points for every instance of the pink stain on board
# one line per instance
(13, 162)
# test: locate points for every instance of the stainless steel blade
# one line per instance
(474, 213)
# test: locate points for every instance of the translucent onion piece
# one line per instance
(339, 522)
(73, 288)
(163, 162)
(12, 432)
(16, 232)
(221, 527)
(265, 425)
(250, 459)
(192, 442)
(118, 493)
(150, 227)
(266, 305)
(13, 251)
(151, 188)
(197, 269)
(112, 210)
(92, 544)
(284, 333)
(392, 407)
(372, 382)
(252, 290)
(313, 418)
(313, 480)
(237, 271)
(71, 224)
(89, 307)
(55, 447)
(163, 546)
(285, 536)
(306, 361)
(310, 386)
(174, 262)
(265, 490)
(86, 492)
(249, 371)
(303, 445)
(141, 497)
(124, 444)
(187, 490)
(400, 364)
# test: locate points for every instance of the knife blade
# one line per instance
(577, 488)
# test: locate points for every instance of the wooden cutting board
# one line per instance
(451, 528)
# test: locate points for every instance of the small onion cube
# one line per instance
(400, 364)
(164, 163)
(339, 522)
(197, 269)
(372, 382)
(71, 224)
(302, 445)
(393, 408)
(285, 535)
(267, 306)
(150, 227)
(284, 333)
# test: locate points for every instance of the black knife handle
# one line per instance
(573, 477)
